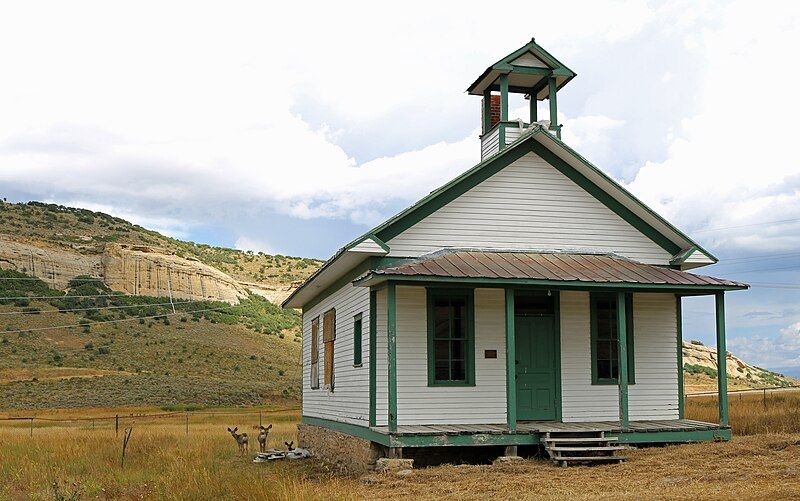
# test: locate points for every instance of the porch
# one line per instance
(561, 361)
(531, 433)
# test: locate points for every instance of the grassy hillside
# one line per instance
(87, 231)
(133, 350)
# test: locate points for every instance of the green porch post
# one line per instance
(373, 351)
(534, 112)
(551, 84)
(511, 366)
(487, 110)
(679, 321)
(722, 360)
(391, 329)
(503, 111)
(622, 352)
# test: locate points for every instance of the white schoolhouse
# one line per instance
(528, 299)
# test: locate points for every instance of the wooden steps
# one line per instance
(567, 448)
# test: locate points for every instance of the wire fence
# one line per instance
(115, 419)
(764, 391)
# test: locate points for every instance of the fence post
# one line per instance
(116, 425)
(187, 421)
(765, 399)
(260, 423)
(31, 426)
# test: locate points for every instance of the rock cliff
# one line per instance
(140, 270)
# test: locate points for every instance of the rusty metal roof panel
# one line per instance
(552, 266)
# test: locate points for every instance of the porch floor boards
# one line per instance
(536, 427)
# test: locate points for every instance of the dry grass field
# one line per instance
(163, 462)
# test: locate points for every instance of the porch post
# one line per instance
(722, 360)
(679, 322)
(511, 366)
(551, 93)
(501, 127)
(391, 329)
(622, 355)
(373, 350)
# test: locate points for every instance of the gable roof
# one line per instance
(528, 68)
(552, 150)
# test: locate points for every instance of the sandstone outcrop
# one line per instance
(698, 354)
(131, 269)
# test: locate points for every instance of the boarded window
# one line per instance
(357, 335)
(605, 338)
(315, 353)
(328, 337)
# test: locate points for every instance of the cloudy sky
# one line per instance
(294, 127)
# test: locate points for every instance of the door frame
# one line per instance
(556, 342)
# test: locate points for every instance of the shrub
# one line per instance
(88, 346)
(103, 350)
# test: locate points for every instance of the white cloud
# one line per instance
(733, 160)
(782, 350)
(188, 109)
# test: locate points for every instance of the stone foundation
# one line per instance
(353, 454)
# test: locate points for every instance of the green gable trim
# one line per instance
(449, 192)
(635, 200)
(607, 200)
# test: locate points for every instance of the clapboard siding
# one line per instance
(349, 401)
(490, 143)
(528, 204)
(655, 393)
(580, 400)
(417, 403)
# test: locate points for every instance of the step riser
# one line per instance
(567, 448)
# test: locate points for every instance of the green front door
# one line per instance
(536, 367)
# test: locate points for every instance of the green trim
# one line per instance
(551, 97)
(373, 353)
(542, 284)
(469, 372)
(357, 339)
(482, 439)
(338, 284)
(501, 136)
(450, 191)
(487, 111)
(380, 242)
(477, 439)
(557, 352)
(504, 65)
(636, 201)
(628, 335)
(664, 437)
(682, 256)
(606, 199)
(622, 350)
(679, 321)
(511, 367)
(534, 111)
(350, 429)
(722, 357)
(495, 163)
(391, 333)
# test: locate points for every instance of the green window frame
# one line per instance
(605, 359)
(451, 337)
(357, 340)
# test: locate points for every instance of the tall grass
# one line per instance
(752, 413)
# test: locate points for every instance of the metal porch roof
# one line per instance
(549, 267)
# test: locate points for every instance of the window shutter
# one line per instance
(329, 336)
(315, 353)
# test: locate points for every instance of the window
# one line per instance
(328, 337)
(451, 343)
(357, 340)
(604, 339)
(315, 353)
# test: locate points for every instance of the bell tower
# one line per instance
(529, 70)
